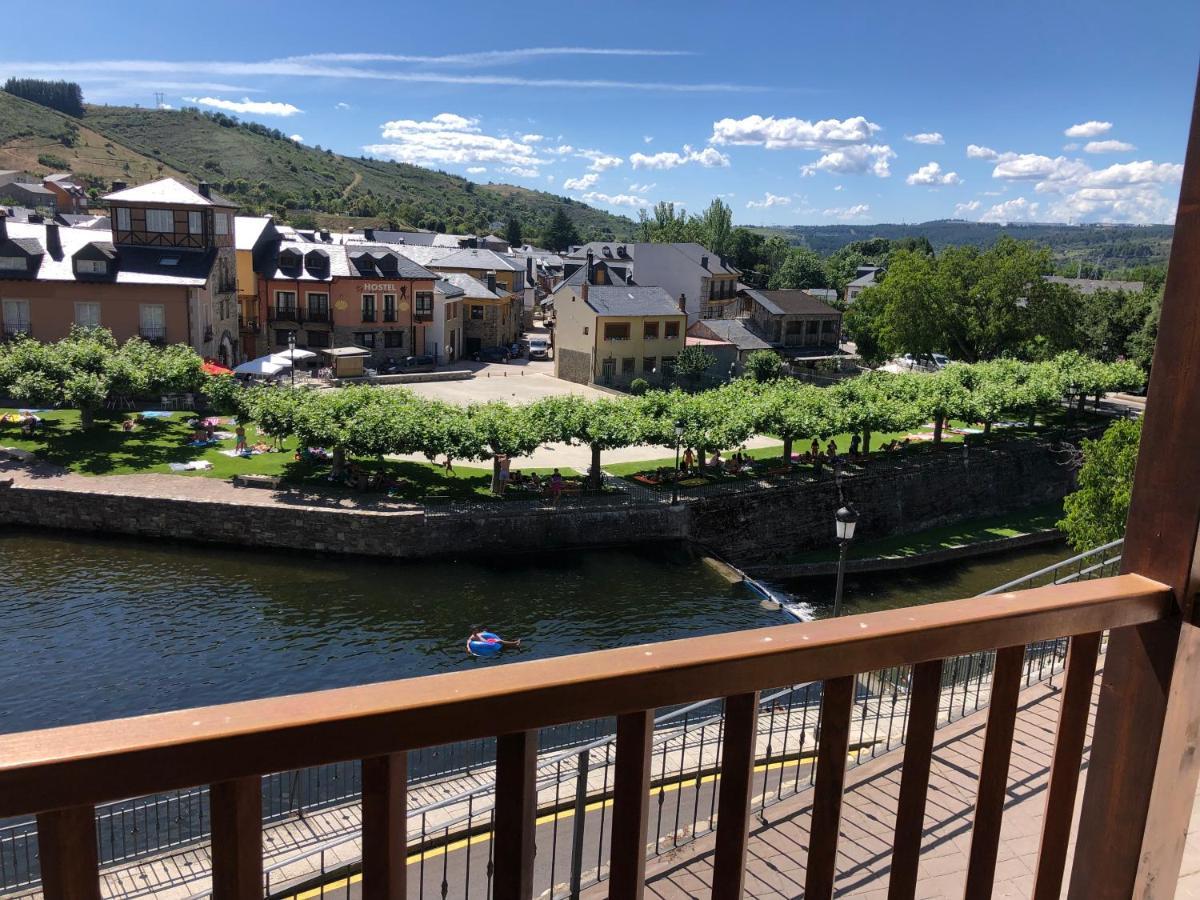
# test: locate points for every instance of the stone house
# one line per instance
(794, 321)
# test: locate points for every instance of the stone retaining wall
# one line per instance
(756, 528)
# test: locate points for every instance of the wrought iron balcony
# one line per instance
(316, 315)
(156, 334)
(285, 313)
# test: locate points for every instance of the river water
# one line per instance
(96, 629)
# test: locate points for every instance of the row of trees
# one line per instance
(65, 96)
(368, 422)
(87, 368)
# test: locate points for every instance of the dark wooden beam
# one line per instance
(385, 826)
(733, 804)
(631, 805)
(237, 861)
(837, 703)
(67, 854)
(516, 815)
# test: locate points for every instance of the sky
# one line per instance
(792, 112)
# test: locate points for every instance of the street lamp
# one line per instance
(675, 483)
(845, 519)
(292, 354)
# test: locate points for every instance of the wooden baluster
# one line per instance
(837, 702)
(923, 702)
(993, 770)
(237, 863)
(67, 853)
(516, 814)
(385, 826)
(1064, 770)
(733, 803)
(631, 805)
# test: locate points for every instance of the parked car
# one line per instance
(492, 354)
(418, 364)
(539, 348)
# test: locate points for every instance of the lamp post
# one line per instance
(675, 483)
(844, 520)
(292, 354)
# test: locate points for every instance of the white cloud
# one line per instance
(775, 134)
(964, 208)
(601, 161)
(768, 201)
(642, 188)
(854, 160)
(1088, 129)
(561, 149)
(476, 170)
(709, 158)
(341, 104)
(837, 187)
(615, 199)
(532, 138)
(165, 106)
(450, 139)
(974, 151)
(248, 106)
(299, 139)
(1145, 172)
(850, 212)
(1034, 166)
(582, 183)
(1016, 210)
(520, 171)
(926, 137)
(1108, 147)
(1074, 145)
(647, 138)
(932, 174)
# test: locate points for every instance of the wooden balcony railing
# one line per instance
(60, 774)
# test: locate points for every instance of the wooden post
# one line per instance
(1143, 770)
(631, 805)
(68, 855)
(733, 802)
(516, 815)
(385, 826)
(237, 862)
(837, 703)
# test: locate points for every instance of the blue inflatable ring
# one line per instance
(489, 646)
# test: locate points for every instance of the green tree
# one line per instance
(504, 430)
(716, 225)
(600, 425)
(794, 411)
(1096, 512)
(691, 364)
(763, 365)
(561, 233)
(512, 232)
(802, 268)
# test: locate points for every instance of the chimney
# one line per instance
(529, 271)
(704, 262)
(583, 292)
(36, 219)
(491, 281)
(3, 226)
(683, 303)
(590, 270)
(53, 240)
(325, 236)
(119, 186)
(205, 189)
(369, 234)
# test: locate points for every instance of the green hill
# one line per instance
(265, 171)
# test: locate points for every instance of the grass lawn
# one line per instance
(973, 531)
(106, 449)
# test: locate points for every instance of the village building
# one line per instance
(444, 337)
(794, 322)
(253, 235)
(28, 194)
(489, 322)
(69, 195)
(864, 277)
(164, 272)
(731, 332)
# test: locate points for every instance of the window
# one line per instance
(221, 220)
(318, 339)
(123, 223)
(16, 316)
(368, 308)
(668, 367)
(476, 312)
(152, 321)
(650, 331)
(812, 326)
(616, 331)
(389, 307)
(365, 339)
(827, 326)
(318, 307)
(160, 220)
(195, 223)
(393, 339)
(608, 369)
(91, 266)
(450, 311)
(649, 364)
(13, 264)
(285, 304)
(87, 314)
(670, 330)
(627, 365)
(281, 335)
(424, 303)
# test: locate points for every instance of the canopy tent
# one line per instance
(263, 366)
(291, 355)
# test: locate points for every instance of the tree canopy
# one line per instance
(1096, 512)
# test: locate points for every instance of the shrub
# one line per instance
(50, 161)
(639, 386)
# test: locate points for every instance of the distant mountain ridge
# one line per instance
(265, 171)
(1110, 246)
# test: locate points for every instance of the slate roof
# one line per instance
(576, 277)
(84, 220)
(732, 331)
(170, 191)
(447, 288)
(472, 288)
(27, 187)
(248, 229)
(611, 300)
(791, 302)
(341, 262)
(864, 281)
(478, 259)
(134, 265)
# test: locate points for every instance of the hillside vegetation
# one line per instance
(265, 171)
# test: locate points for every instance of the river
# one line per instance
(98, 628)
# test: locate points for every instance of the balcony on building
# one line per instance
(285, 312)
(155, 334)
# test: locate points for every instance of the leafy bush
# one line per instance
(50, 161)
(1095, 514)
(764, 365)
(639, 386)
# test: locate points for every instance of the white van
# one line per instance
(539, 348)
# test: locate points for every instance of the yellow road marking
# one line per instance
(542, 820)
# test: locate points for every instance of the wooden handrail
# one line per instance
(92, 763)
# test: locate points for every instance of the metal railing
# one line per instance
(575, 773)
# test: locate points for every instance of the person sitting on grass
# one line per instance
(715, 461)
(28, 423)
(535, 481)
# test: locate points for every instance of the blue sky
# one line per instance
(794, 113)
